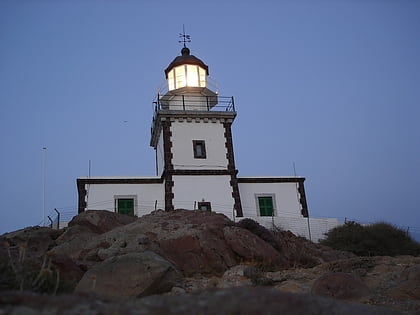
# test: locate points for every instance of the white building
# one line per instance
(195, 164)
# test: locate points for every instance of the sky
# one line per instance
(327, 89)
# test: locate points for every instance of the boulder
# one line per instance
(85, 227)
(101, 221)
(130, 275)
(196, 242)
(250, 247)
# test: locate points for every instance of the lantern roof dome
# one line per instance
(186, 59)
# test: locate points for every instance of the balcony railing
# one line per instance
(195, 103)
(192, 103)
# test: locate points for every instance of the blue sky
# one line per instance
(330, 86)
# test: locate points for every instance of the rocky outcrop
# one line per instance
(194, 241)
(186, 252)
(86, 226)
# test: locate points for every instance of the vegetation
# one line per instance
(378, 239)
(25, 273)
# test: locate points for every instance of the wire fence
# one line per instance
(59, 217)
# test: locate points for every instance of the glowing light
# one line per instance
(186, 75)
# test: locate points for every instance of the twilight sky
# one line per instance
(332, 86)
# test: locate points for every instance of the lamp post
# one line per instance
(44, 156)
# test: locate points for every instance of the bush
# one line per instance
(19, 272)
(379, 239)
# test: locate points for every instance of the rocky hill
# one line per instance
(193, 261)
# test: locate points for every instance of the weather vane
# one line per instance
(184, 38)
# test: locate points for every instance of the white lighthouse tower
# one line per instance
(191, 133)
(195, 165)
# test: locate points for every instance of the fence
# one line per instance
(310, 228)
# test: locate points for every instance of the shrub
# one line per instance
(379, 239)
(27, 273)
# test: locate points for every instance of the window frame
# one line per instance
(132, 197)
(201, 143)
(257, 202)
(207, 204)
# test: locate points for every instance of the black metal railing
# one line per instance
(186, 103)
(193, 102)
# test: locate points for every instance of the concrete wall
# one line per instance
(160, 157)
(183, 133)
(217, 190)
(214, 189)
(102, 196)
(299, 226)
(285, 198)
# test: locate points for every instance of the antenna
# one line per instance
(184, 37)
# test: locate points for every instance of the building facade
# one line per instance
(195, 165)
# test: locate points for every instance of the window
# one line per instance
(125, 204)
(204, 205)
(186, 75)
(265, 206)
(199, 149)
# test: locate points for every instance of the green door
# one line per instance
(125, 206)
(266, 206)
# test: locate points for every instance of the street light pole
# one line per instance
(44, 156)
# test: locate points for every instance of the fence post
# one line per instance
(51, 221)
(58, 218)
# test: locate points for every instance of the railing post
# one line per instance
(58, 218)
(233, 104)
(51, 221)
(183, 102)
(207, 101)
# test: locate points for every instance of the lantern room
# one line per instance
(186, 71)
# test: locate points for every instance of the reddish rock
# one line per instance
(194, 241)
(85, 227)
(340, 286)
(249, 247)
(100, 221)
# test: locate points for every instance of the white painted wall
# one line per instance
(160, 155)
(215, 189)
(286, 198)
(101, 196)
(299, 225)
(183, 133)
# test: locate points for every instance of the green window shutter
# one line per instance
(266, 206)
(125, 206)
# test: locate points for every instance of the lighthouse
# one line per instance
(192, 137)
